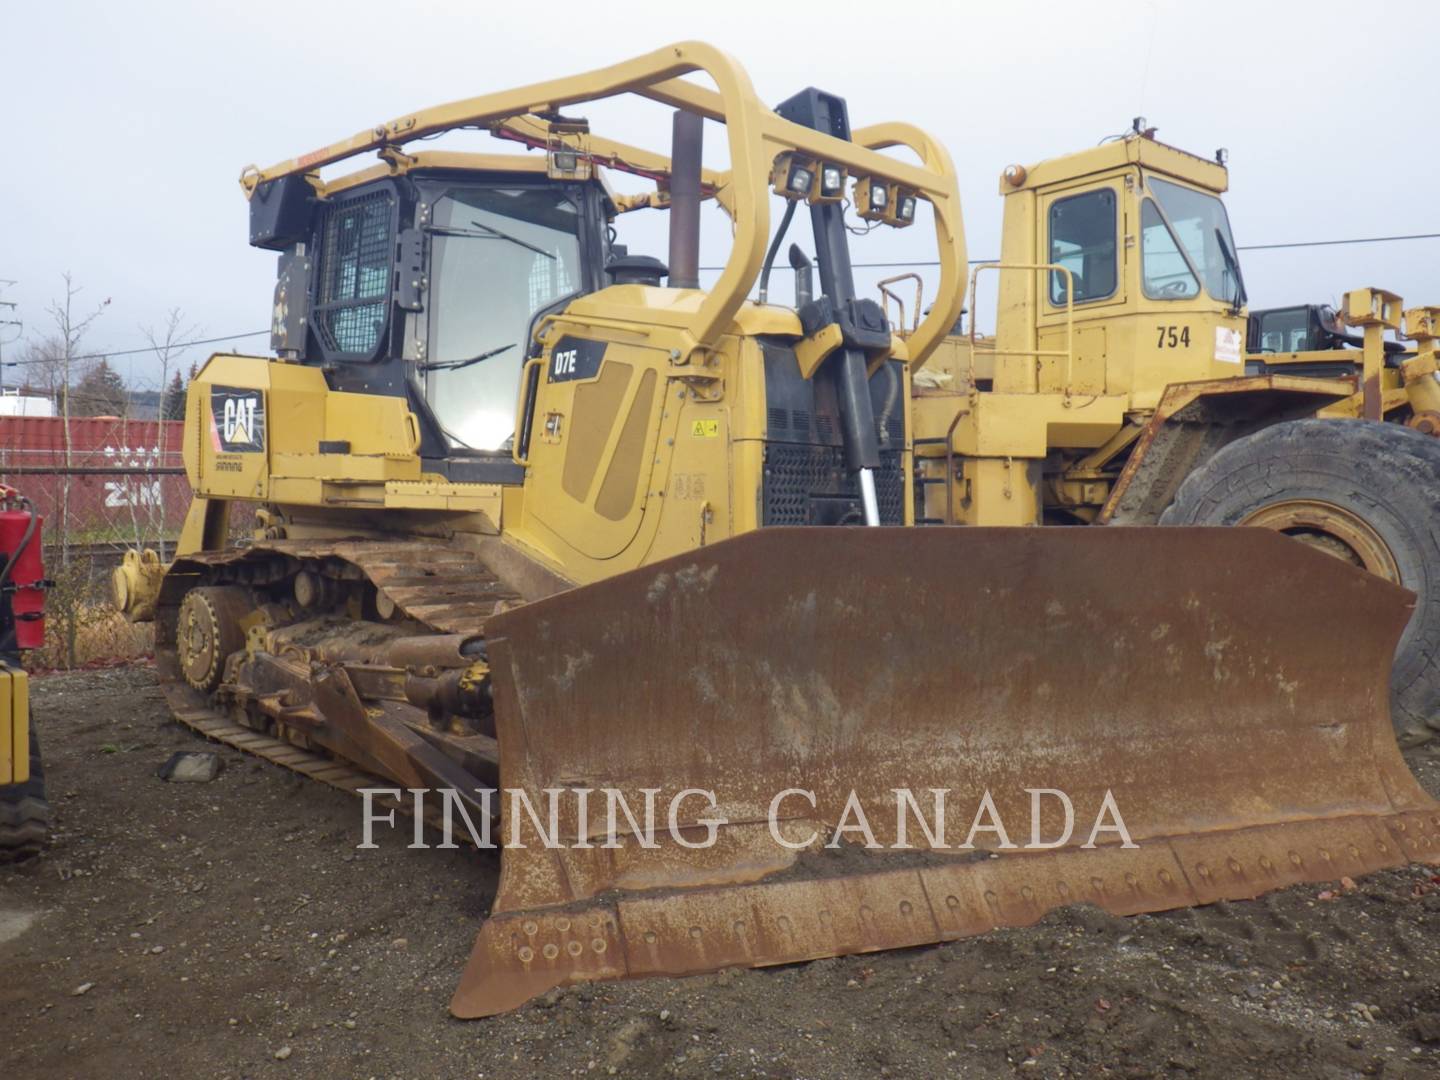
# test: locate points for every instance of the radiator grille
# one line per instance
(799, 480)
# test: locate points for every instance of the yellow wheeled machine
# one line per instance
(629, 583)
(1127, 383)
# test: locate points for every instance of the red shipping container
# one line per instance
(75, 489)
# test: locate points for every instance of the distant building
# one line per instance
(14, 403)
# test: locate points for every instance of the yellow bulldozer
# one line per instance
(538, 523)
(1126, 384)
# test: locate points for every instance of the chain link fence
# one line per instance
(102, 485)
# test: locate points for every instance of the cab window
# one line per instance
(497, 255)
(352, 301)
(1197, 223)
(1286, 330)
(1166, 274)
(1082, 239)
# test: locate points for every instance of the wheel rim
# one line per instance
(1332, 529)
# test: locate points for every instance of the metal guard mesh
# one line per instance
(355, 269)
(794, 474)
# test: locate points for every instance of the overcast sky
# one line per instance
(127, 123)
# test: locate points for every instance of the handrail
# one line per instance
(755, 135)
(1068, 352)
(960, 414)
(886, 296)
(524, 422)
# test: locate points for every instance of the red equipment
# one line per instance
(22, 570)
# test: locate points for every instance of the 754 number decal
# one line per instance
(1173, 337)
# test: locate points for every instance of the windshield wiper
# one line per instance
(513, 239)
(489, 233)
(456, 365)
(1233, 265)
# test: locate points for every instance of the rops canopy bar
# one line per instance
(755, 134)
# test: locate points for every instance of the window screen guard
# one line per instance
(352, 300)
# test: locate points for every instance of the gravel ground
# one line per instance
(231, 929)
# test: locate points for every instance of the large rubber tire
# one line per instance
(24, 813)
(1385, 475)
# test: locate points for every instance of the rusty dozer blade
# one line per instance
(1227, 687)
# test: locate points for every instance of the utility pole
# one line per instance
(10, 306)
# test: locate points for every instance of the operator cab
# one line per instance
(424, 282)
(1134, 281)
(1187, 251)
(1302, 328)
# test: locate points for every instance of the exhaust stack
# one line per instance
(687, 142)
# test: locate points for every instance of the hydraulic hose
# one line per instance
(891, 396)
(775, 249)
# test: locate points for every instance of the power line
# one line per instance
(136, 352)
(1239, 247)
(1329, 243)
(859, 266)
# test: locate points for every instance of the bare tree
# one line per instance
(70, 328)
(39, 361)
(168, 343)
(43, 361)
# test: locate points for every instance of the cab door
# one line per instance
(593, 435)
(1083, 230)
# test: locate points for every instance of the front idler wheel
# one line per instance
(208, 630)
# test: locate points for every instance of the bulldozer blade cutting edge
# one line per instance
(1227, 687)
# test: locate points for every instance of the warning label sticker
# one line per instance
(1227, 345)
